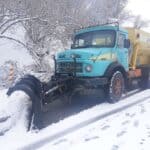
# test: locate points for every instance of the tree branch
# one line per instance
(15, 22)
(10, 38)
(33, 54)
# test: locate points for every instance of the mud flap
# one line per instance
(33, 88)
(145, 79)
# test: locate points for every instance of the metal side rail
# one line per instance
(41, 142)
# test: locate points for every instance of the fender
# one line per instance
(115, 66)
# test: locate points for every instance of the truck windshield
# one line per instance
(101, 38)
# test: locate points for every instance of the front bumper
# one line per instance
(87, 82)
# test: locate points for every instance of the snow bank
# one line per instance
(14, 111)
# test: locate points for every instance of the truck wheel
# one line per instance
(115, 87)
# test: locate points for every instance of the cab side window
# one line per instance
(121, 39)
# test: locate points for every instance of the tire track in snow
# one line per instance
(42, 142)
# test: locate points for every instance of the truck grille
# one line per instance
(68, 67)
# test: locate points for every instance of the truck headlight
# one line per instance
(88, 68)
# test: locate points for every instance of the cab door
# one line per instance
(122, 52)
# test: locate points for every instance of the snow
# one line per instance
(123, 130)
(127, 129)
(13, 55)
(14, 58)
(12, 51)
(14, 108)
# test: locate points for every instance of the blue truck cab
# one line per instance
(94, 49)
(97, 54)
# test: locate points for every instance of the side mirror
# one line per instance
(126, 43)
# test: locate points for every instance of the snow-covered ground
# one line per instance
(125, 130)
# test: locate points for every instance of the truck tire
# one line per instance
(115, 87)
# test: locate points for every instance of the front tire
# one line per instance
(115, 87)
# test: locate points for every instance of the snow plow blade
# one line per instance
(40, 94)
(28, 84)
(33, 88)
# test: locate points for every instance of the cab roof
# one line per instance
(96, 28)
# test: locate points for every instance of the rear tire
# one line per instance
(116, 87)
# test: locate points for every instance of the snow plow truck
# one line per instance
(104, 57)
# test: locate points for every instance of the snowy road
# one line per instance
(94, 125)
(59, 111)
(89, 120)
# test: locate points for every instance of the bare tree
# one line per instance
(46, 20)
